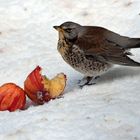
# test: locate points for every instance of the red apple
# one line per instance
(12, 97)
(40, 89)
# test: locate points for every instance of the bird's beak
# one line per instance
(58, 28)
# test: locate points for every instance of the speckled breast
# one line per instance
(76, 58)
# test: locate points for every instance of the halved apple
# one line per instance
(40, 89)
(12, 97)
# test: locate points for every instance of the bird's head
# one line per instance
(68, 30)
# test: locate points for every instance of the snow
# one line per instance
(108, 110)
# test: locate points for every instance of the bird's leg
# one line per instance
(85, 81)
(93, 80)
(82, 81)
(88, 81)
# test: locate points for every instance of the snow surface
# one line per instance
(109, 110)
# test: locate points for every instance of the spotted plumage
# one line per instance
(76, 59)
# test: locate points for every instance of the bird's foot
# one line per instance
(87, 81)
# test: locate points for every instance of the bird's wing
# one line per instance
(101, 49)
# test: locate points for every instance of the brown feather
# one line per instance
(93, 42)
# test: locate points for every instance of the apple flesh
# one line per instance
(55, 86)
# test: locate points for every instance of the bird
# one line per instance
(93, 50)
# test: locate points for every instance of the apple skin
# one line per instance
(40, 89)
(12, 97)
(34, 87)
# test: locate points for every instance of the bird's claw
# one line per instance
(87, 81)
(86, 84)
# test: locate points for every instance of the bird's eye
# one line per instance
(68, 30)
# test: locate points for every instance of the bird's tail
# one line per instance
(125, 60)
(133, 43)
